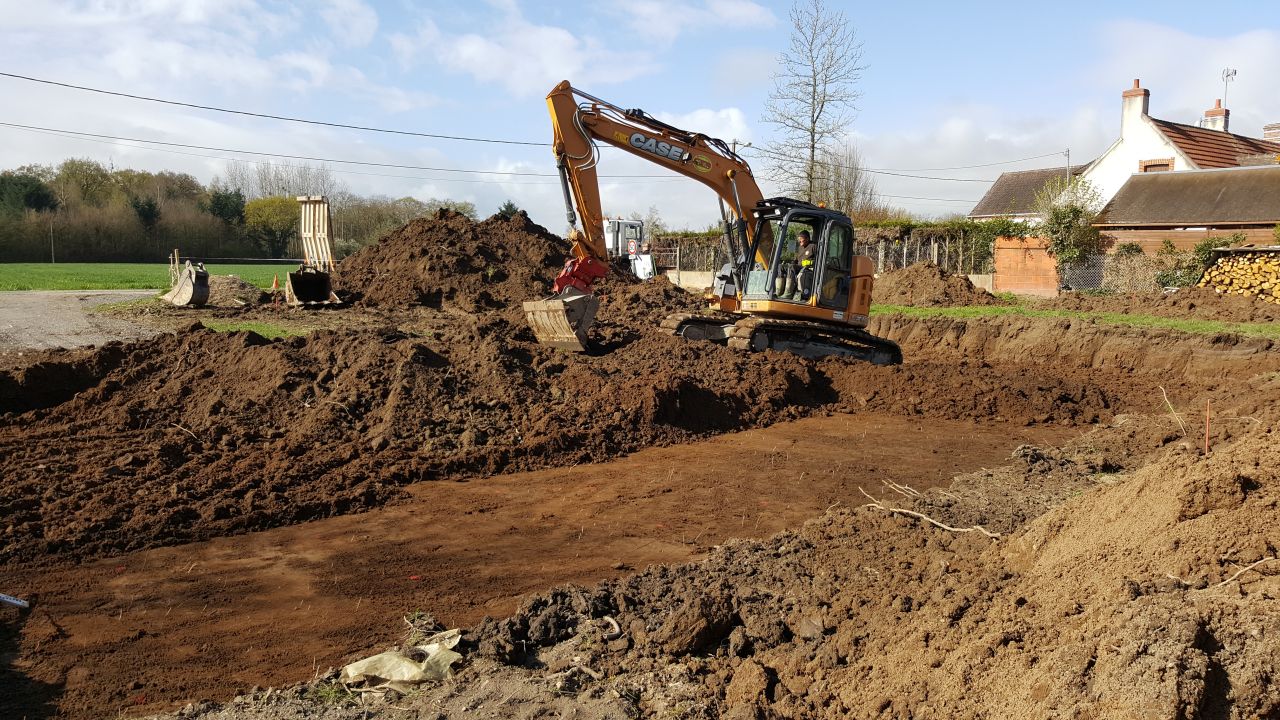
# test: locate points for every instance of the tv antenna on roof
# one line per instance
(1228, 74)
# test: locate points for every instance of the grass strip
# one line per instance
(265, 329)
(1198, 327)
(118, 276)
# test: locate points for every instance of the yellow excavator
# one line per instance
(809, 296)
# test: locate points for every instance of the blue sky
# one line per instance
(946, 84)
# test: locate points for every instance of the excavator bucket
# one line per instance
(563, 321)
(190, 286)
(309, 286)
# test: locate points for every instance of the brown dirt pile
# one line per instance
(927, 285)
(231, 291)
(449, 260)
(1187, 303)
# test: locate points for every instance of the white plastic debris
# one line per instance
(401, 670)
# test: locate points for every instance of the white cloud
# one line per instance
(353, 22)
(727, 123)
(663, 21)
(1183, 71)
(525, 58)
(744, 70)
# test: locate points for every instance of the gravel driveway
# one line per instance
(43, 319)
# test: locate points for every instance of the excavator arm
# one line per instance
(580, 121)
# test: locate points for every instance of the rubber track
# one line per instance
(746, 327)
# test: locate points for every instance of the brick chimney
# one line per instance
(1133, 107)
(1216, 117)
(1271, 132)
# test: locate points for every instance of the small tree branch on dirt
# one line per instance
(1173, 412)
(921, 516)
(615, 632)
(1242, 571)
(904, 490)
(193, 435)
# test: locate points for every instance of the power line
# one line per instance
(884, 172)
(271, 117)
(904, 173)
(266, 162)
(913, 197)
(970, 167)
(295, 157)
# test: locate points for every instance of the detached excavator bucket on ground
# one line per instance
(563, 321)
(309, 286)
(190, 283)
(312, 285)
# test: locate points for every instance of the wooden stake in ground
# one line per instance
(1206, 426)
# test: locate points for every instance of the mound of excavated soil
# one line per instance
(1129, 601)
(229, 290)
(200, 434)
(449, 260)
(927, 285)
(1194, 303)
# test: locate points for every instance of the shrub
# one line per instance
(1128, 249)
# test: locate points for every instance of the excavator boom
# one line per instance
(579, 122)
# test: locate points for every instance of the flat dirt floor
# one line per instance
(155, 629)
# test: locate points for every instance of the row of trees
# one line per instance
(81, 210)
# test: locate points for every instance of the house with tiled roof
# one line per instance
(1145, 145)
(1013, 194)
(1184, 208)
(1149, 145)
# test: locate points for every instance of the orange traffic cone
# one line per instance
(275, 290)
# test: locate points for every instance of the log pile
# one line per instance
(1250, 274)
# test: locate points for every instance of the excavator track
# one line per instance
(800, 337)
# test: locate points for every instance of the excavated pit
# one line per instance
(199, 435)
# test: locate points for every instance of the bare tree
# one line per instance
(840, 181)
(268, 179)
(813, 92)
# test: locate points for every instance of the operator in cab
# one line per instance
(806, 254)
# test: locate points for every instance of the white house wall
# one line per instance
(1139, 140)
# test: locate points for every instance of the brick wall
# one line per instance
(1152, 240)
(1025, 267)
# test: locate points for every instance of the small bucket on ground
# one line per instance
(309, 286)
(190, 286)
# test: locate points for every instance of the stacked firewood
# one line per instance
(1249, 274)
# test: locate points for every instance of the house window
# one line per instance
(1164, 165)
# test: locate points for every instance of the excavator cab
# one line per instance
(828, 282)
(812, 302)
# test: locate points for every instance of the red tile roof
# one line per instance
(1213, 148)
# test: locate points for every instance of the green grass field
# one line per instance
(118, 276)
(1203, 327)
